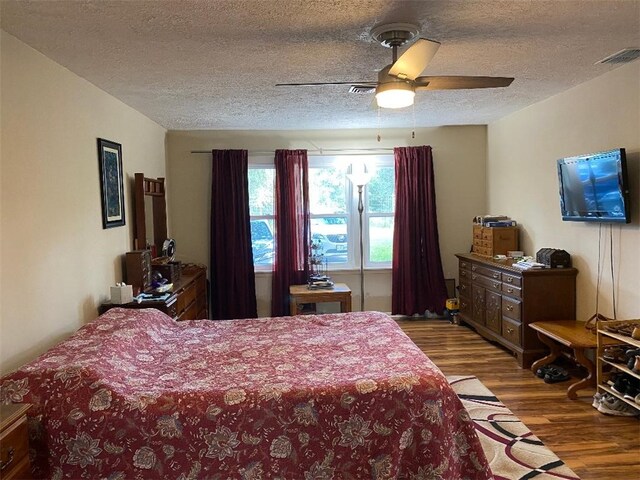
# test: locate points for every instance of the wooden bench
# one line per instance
(574, 335)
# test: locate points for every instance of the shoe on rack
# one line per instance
(556, 375)
(609, 405)
(636, 333)
(614, 354)
(636, 364)
(621, 384)
(637, 399)
(597, 398)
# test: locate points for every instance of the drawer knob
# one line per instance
(509, 330)
(473, 268)
(510, 290)
(474, 276)
(496, 285)
(510, 308)
(509, 279)
(496, 275)
(4, 464)
(463, 287)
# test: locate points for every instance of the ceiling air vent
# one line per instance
(623, 56)
(361, 89)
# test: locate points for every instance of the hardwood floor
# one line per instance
(593, 445)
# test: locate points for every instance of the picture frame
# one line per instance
(111, 185)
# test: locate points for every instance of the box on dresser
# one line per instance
(500, 301)
(490, 241)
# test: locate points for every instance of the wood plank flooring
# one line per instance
(593, 445)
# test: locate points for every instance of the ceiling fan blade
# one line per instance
(460, 83)
(319, 84)
(413, 62)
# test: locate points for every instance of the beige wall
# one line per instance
(460, 163)
(601, 114)
(57, 262)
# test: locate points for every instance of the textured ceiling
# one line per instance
(213, 64)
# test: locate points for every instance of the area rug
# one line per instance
(512, 450)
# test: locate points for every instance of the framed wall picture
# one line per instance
(111, 187)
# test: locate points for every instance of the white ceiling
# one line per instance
(213, 64)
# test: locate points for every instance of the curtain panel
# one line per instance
(233, 290)
(292, 227)
(417, 277)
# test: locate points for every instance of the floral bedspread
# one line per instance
(134, 394)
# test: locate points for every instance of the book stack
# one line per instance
(494, 221)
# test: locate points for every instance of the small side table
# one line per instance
(299, 294)
(574, 335)
(14, 441)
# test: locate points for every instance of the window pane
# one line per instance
(380, 239)
(261, 188)
(262, 241)
(381, 191)
(330, 233)
(327, 193)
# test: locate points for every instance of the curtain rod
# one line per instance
(320, 151)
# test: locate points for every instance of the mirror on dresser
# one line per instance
(151, 214)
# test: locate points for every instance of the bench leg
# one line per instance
(589, 380)
(554, 352)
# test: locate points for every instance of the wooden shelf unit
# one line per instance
(605, 367)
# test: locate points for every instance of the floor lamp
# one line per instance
(360, 177)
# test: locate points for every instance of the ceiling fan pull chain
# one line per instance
(378, 124)
(413, 113)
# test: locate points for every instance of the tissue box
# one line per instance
(121, 295)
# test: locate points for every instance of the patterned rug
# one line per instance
(512, 450)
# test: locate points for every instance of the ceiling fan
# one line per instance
(398, 82)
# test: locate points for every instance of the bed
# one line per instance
(134, 394)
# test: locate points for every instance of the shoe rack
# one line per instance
(605, 367)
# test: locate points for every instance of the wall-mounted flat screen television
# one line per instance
(594, 187)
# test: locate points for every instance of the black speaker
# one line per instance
(553, 258)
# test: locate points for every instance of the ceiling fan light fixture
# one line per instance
(395, 95)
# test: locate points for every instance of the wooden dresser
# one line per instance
(188, 301)
(490, 241)
(500, 301)
(14, 441)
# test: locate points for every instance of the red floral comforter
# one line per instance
(134, 394)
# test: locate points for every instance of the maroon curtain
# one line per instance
(418, 280)
(292, 226)
(233, 289)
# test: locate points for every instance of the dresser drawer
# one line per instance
(465, 287)
(186, 297)
(511, 290)
(487, 272)
(14, 448)
(511, 308)
(486, 282)
(464, 274)
(511, 330)
(512, 279)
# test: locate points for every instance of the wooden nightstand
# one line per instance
(299, 294)
(14, 441)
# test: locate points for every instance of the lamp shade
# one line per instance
(360, 175)
(395, 95)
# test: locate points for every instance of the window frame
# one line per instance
(342, 162)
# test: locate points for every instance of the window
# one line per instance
(334, 211)
(261, 208)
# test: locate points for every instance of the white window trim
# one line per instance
(342, 162)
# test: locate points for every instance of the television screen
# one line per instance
(593, 187)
